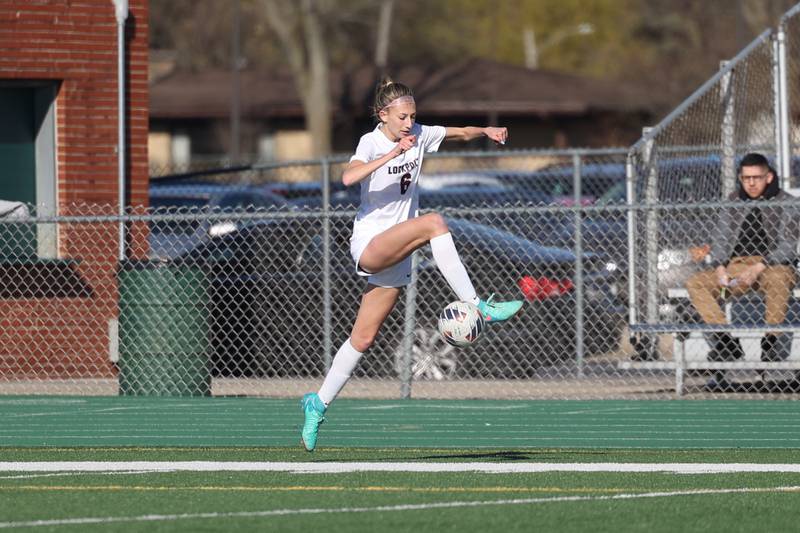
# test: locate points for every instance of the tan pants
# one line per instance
(775, 285)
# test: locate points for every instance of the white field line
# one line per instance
(75, 473)
(386, 508)
(343, 467)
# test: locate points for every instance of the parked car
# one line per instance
(604, 232)
(558, 182)
(267, 303)
(301, 189)
(473, 187)
(436, 197)
(172, 238)
(474, 178)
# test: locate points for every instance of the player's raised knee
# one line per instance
(436, 224)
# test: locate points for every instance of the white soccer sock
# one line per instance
(450, 265)
(344, 362)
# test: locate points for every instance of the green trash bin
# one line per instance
(163, 330)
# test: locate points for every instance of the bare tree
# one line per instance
(299, 27)
(384, 33)
(760, 14)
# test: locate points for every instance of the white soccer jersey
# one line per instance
(389, 195)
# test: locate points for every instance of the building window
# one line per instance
(181, 151)
(266, 147)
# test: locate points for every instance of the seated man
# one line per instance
(752, 249)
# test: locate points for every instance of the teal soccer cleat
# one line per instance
(314, 411)
(498, 311)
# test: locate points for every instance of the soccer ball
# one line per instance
(461, 323)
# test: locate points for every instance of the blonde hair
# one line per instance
(386, 92)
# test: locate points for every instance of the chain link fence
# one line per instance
(221, 293)
(240, 282)
(692, 211)
(230, 297)
(243, 284)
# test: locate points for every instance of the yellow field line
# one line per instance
(300, 488)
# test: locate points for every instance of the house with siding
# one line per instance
(190, 112)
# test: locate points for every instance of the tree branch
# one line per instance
(282, 17)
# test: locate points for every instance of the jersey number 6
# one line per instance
(405, 182)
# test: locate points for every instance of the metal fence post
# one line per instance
(727, 131)
(327, 313)
(784, 148)
(651, 227)
(577, 167)
(776, 105)
(630, 197)
(409, 328)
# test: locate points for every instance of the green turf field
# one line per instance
(233, 464)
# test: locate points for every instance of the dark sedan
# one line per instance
(267, 303)
(171, 238)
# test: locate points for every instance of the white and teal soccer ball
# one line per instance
(461, 323)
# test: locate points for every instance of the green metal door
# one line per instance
(17, 165)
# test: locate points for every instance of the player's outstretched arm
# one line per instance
(358, 170)
(468, 133)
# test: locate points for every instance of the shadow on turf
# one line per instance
(507, 455)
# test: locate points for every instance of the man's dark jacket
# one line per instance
(780, 224)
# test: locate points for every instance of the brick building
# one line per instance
(58, 152)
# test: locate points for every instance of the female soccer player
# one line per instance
(387, 230)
